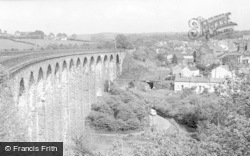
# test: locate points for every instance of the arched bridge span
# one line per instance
(54, 94)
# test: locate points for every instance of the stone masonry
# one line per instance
(55, 96)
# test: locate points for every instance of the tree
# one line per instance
(122, 42)
(174, 59)
(161, 57)
(195, 56)
(232, 62)
(59, 35)
(74, 36)
(51, 35)
(108, 45)
(39, 32)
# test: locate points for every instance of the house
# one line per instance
(62, 37)
(51, 36)
(17, 34)
(169, 56)
(246, 37)
(245, 58)
(221, 72)
(5, 35)
(160, 51)
(198, 83)
(176, 70)
(190, 71)
(188, 59)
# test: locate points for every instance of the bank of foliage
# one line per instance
(119, 111)
(187, 108)
(222, 125)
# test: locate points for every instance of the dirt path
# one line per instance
(160, 122)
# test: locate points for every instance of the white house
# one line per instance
(190, 71)
(221, 72)
(188, 58)
(169, 57)
(198, 83)
(17, 34)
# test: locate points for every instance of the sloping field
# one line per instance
(8, 44)
(45, 42)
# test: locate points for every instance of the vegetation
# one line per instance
(121, 111)
(174, 59)
(10, 44)
(206, 70)
(222, 125)
(122, 42)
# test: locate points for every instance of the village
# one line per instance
(204, 66)
(38, 34)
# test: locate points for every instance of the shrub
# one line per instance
(106, 86)
(131, 84)
(133, 123)
(120, 111)
(125, 113)
(188, 108)
(186, 92)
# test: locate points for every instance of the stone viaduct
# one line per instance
(54, 95)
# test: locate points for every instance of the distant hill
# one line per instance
(97, 37)
(111, 36)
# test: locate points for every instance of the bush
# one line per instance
(125, 113)
(162, 85)
(120, 111)
(188, 108)
(106, 86)
(186, 92)
(131, 84)
(133, 124)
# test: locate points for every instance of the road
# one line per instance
(160, 122)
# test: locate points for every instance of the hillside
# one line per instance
(140, 70)
(46, 42)
(97, 37)
(9, 44)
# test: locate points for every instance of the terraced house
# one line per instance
(199, 84)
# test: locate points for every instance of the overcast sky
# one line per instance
(123, 16)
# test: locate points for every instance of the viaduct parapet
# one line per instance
(54, 94)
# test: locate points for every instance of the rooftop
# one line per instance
(179, 56)
(192, 68)
(197, 80)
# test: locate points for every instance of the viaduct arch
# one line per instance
(55, 95)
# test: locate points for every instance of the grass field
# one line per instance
(8, 44)
(45, 42)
